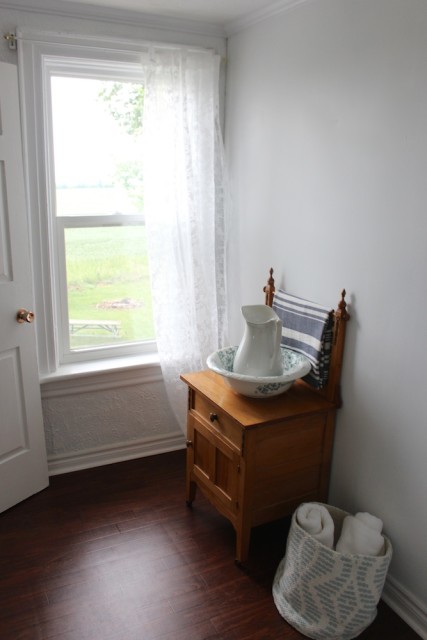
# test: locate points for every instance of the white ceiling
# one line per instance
(213, 11)
(211, 17)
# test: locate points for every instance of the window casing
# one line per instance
(39, 63)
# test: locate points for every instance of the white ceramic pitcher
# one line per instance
(259, 352)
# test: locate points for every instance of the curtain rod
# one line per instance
(13, 37)
(11, 40)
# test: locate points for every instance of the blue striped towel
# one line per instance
(307, 328)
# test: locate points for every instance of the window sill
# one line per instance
(76, 378)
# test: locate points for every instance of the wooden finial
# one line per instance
(269, 289)
(342, 307)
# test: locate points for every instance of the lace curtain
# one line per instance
(184, 201)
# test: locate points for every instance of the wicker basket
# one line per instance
(324, 594)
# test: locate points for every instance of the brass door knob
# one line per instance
(24, 316)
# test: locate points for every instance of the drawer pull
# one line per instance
(213, 417)
(188, 443)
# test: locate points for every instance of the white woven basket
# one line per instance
(324, 594)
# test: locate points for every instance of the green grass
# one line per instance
(107, 267)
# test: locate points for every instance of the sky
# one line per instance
(87, 140)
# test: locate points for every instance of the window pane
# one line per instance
(97, 146)
(109, 297)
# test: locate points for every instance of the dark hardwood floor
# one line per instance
(113, 553)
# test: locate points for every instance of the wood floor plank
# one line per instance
(113, 553)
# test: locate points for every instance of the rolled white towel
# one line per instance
(316, 520)
(371, 521)
(357, 537)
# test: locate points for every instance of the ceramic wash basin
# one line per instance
(294, 364)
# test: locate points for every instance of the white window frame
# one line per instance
(40, 58)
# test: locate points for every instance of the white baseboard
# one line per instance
(406, 605)
(75, 461)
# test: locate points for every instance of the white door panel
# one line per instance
(23, 464)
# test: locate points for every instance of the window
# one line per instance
(103, 289)
(90, 197)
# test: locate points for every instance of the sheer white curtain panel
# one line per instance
(185, 203)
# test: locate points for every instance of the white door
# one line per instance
(23, 464)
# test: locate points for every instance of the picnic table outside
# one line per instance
(112, 326)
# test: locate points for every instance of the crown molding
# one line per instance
(66, 9)
(273, 9)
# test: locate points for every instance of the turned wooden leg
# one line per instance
(190, 492)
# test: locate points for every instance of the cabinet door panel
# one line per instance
(215, 466)
(226, 474)
(202, 454)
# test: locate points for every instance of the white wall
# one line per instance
(123, 414)
(327, 141)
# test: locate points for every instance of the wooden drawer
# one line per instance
(218, 421)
